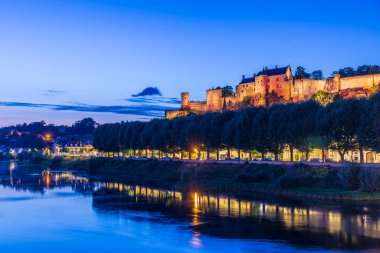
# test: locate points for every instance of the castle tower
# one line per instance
(213, 100)
(184, 100)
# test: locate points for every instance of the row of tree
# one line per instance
(359, 71)
(365, 69)
(345, 125)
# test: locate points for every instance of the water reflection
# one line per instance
(36, 180)
(330, 226)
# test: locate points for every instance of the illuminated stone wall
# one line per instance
(304, 89)
(185, 100)
(213, 100)
(231, 102)
(197, 107)
(366, 82)
(283, 86)
(171, 114)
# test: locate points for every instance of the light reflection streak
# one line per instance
(313, 218)
(331, 220)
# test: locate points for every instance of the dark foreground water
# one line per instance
(63, 212)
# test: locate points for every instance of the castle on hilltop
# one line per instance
(277, 85)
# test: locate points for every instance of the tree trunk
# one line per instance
(208, 155)
(134, 152)
(361, 154)
(323, 155)
(307, 155)
(228, 153)
(217, 154)
(341, 154)
(189, 155)
(262, 156)
(239, 152)
(250, 156)
(291, 153)
(276, 156)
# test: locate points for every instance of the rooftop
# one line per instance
(269, 72)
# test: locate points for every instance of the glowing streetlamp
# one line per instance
(48, 137)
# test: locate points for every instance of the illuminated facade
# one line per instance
(276, 85)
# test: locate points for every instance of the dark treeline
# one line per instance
(359, 71)
(39, 135)
(365, 69)
(344, 125)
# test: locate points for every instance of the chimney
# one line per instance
(276, 66)
(243, 77)
(266, 68)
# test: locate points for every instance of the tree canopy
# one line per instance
(343, 125)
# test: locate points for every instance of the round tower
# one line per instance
(184, 100)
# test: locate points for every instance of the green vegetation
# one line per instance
(248, 180)
(325, 98)
(32, 157)
(39, 135)
(359, 71)
(343, 125)
(6, 157)
(301, 74)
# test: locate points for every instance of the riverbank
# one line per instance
(242, 180)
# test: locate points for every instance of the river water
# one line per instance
(51, 211)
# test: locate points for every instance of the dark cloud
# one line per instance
(149, 91)
(139, 110)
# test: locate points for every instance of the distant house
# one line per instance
(74, 148)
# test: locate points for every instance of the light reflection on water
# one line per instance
(154, 219)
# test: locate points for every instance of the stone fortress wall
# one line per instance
(276, 86)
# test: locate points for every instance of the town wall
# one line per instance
(376, 79)
(171, 114)
(365, 82)
(197, 107)
(305, 88)
(231, 101)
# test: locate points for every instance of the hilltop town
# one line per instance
(278, 85)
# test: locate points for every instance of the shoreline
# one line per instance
(232, 179)
(241, 180)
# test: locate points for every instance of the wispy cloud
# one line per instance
(52, 92)
(154, 99)
(146, 104)
(139, 110)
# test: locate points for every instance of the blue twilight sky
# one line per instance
(62, 60)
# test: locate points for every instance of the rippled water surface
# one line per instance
(50, 211)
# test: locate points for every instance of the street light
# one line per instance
(48, 137)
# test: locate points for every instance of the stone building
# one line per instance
(276, 85)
